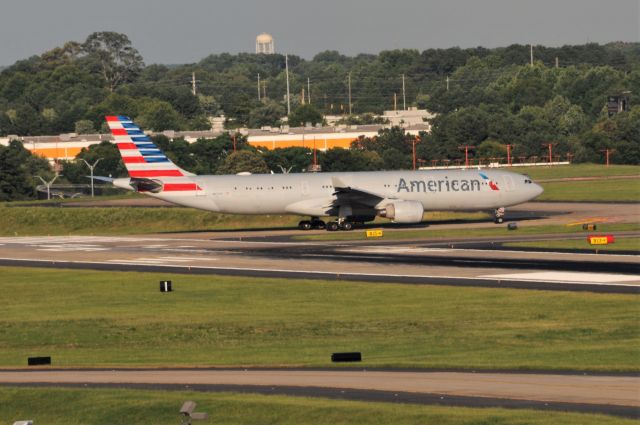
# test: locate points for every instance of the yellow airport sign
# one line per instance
(374, 233)
(601, 240)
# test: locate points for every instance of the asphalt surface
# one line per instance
(615, 395)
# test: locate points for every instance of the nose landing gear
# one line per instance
(499, 215)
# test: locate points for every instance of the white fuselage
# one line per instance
(314, 194)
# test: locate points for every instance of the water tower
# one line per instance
(264, 44)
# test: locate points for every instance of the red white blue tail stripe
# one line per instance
(143, 159)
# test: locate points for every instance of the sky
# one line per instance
(177, 32)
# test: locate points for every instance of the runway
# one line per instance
(617, 395)
(274, 255)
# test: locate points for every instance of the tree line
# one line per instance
(486, 98)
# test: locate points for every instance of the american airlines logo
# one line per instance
(439, 185)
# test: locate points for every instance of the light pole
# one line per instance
(91, 167)
(48, 184)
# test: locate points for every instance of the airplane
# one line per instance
(351, 197)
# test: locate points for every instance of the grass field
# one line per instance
(29, 221)
(623, 190)
(110, 407)
(90, 318)
(621, 244)
(578, 170)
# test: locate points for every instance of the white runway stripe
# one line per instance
(573, 277)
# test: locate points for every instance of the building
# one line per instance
(264, 44)
(67, 146)
(409, 117)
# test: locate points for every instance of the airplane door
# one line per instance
(304, 186)
(507, 183)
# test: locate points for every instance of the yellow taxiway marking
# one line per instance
(589, 221)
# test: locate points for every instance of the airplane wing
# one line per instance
(347, 195)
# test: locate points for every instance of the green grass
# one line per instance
(498, 231)
(26, 221)
(30, 221)
(578, 170)
(620, 244)
(90, 318)
(623, 190)
(109, 407)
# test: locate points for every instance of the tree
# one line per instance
(338, 159)
(267, 115)
(158, 115)
(304, 114)
(243, 161)
(85, 127)
(296, 159)
(110, 164)
(17, 170)
(118, 60)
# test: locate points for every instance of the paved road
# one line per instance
(608, 394)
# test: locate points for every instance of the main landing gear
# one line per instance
(314, 223)
(331, 226)
(499, 215)
(340, 224)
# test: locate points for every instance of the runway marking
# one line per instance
(389, 249)
(571, 277)
(193, 251)
(160, 260)
(303, 272)
(154, 246)
(589, 221)
(186, 258)
(38, 240)
(68, 248)
(395, 249)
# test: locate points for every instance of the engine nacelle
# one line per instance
(403, 211)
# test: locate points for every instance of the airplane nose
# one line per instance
(537, 190)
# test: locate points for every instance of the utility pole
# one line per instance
(286, 67)
(91, 167)
(415, 140)
(234, 142)
(550, 147)
(509, 154)
(466, 153)
(531, 53)
(607, 152)
(258, 87)
(447, 83)
(395, 102)
(404, 101)
(349, 92)
(302, 97)
(557, 63)
(48, 184)
(193, 83)
(309, 90)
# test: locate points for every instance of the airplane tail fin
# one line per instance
(149, 168)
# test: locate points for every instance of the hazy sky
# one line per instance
(174, 31)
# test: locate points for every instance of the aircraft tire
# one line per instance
(499, 220)
(305, 225)
(318, 224)
(332, 226)
(347, 225)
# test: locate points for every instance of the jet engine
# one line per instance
(403, 211)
